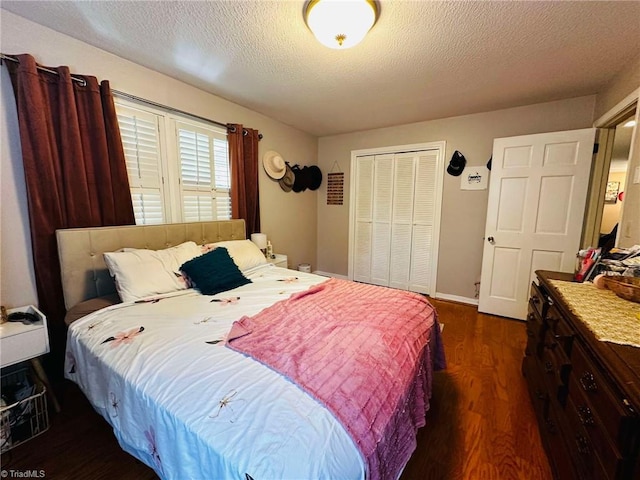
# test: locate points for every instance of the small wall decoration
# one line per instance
(474, 178)
(611, 194)
(335, 186)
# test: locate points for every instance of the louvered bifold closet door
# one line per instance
(363, 219)
(424, 214)
(402, 230)
(140, 139)
(381, 226)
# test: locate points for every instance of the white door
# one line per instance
(537, 195)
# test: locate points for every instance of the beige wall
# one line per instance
(622, 84)
(463, 212)
(289, 219)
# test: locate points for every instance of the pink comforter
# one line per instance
(366, 352)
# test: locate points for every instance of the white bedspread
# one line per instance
(196, 410)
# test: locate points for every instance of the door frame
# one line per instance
(440, 147)
(600, 168)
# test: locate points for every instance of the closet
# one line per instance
(395, 217)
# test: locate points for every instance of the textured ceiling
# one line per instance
(422, 60)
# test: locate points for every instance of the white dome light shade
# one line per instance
(340, 24)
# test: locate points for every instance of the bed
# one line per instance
(290, 375)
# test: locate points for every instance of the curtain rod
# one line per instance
(82, 82)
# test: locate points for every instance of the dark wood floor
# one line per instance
(481, 424)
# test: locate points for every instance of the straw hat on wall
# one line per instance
(274, 165)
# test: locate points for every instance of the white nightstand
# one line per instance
(279, 261)
(23, 341)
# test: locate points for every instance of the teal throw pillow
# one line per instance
(214, 272)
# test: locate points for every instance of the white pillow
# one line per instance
(139, 273)
(245, 253)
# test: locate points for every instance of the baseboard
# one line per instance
(327, 274)
(456, 298)
(440, 296)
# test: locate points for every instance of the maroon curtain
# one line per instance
(243, 155)
(74, 167)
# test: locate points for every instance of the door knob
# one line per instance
(491, 240)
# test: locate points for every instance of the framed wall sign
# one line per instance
(611, 194)
(474, 178)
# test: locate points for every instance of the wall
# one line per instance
(289, 219)
(621, 85)
(463, 212)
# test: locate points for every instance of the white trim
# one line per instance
(327, 274)
(412, 147)
(456, 298)
(440, 147)
(620, 106)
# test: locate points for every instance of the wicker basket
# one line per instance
(25, 418)
(624, 287)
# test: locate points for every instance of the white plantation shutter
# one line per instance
(204, 172)
(178, 166)
(140, 139)
(222, 177)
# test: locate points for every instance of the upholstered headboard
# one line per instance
(84, 273)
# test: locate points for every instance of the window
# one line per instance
(178, 167)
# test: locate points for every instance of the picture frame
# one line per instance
(611, 193)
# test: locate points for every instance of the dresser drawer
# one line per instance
(534, 332)
(538, 300)
(553, 430)
(556, 367)
(592, 439)
(588, 385)
(537, 389)
(560, 329)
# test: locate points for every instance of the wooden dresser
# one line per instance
(585, 392)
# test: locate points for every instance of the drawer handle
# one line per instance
(548, 367)
(588, 382)
(585, 415)
(583, 445)
(540, 394)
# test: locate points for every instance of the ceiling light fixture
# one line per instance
(630, 123)
(340, 24)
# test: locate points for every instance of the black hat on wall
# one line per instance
(300, 181)
(457, 164)
(314, 177)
